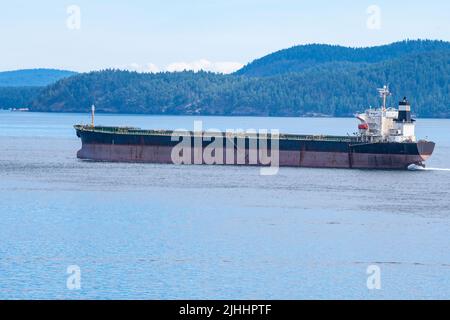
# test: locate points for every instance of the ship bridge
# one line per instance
(387, 124)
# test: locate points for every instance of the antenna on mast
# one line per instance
(384, 93)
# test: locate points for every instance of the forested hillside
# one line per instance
(18, 97)
(314, 80)
(334, 89)
(19, 88)
(299, 58)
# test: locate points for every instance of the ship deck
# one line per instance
(139, 132)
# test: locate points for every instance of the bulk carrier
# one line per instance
(385, 140)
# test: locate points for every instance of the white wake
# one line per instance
(414, 167)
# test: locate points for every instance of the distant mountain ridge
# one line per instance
(32, 77)
(300, 58)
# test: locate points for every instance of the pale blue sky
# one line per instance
(136, 32)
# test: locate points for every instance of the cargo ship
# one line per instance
(385, 140)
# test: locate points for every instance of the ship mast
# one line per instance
(93, 116)
(384, 93)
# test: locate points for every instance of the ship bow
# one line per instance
(425, 149)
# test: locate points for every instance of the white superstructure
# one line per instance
(387, 124)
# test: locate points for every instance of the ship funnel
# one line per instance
(404, 111)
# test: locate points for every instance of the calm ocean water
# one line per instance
(146, 231)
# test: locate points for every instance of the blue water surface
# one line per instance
(148, 231)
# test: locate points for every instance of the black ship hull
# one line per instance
(130, 145)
